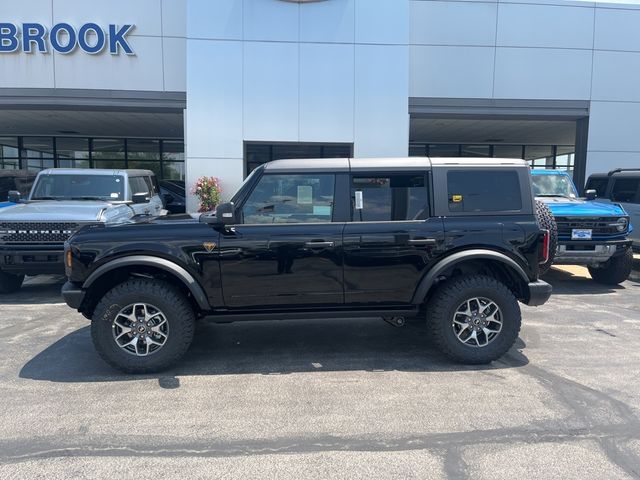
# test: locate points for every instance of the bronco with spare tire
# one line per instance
(456, 241)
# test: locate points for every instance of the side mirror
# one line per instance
(168, 198)
(591, 194)
(139, 198)
(14, 196)
(226, 214)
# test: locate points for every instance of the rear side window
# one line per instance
(625, 190)
(599, 185)
(387, 198)
(483, 191)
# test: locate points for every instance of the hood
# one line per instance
(54, 211)
(577, 207)
(6, 204)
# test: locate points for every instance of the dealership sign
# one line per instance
(64, 38)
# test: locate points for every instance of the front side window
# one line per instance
(138, 185)
(483, 191)
(79, 187)
(553, 185)
(625, 190)
(288, 198)
(389, 198)
(599, 185)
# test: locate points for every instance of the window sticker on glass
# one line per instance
(323, 210)
(456, 198)
(359, 200)
(305, 195)
(115, 195)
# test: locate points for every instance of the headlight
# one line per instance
(622, 224)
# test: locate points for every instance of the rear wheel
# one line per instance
(546, 221)
(474, 320)
(9, 282)
(142, 326)
(615, 270)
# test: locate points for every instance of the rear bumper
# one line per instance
(32, 260)
(578, 252)
(73, 295)
(539, 293)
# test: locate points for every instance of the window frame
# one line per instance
(636, 198)
(441, 194)
(144, 182)
(389, 173)
(335, 210)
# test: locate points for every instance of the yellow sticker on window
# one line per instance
(456, 198)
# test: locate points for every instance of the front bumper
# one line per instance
(32, 260)
(73, 295)
(539, 293)
(579, 252)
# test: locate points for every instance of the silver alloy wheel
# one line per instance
(477, 322)
(140, 329)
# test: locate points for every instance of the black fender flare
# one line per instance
(430, 278)
(162, 263)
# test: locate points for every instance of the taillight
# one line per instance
(546, 242)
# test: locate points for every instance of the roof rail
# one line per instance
(618, 170)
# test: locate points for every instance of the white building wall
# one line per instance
(268, 70)
(158, 41)
(536, 49)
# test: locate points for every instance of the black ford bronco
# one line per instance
(456, 241)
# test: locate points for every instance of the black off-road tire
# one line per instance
(442, 308)
(546, 221)
(162, 295)
(615, 270)
(10, 283)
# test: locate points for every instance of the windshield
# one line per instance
(79, 187)
(553, 186)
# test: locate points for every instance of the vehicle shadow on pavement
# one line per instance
(566, 283)
(270, 348)
(37, 291)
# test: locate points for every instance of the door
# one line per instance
(287, 251)
(626, 192)
(392, 238)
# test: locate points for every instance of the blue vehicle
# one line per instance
(590, 233)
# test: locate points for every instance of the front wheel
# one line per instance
(142, 326)
(615, 270)
(474, 320)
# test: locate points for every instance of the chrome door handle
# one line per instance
(318, 244)
(422, 241)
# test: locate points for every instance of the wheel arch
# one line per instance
(498, 264)
(114, 271)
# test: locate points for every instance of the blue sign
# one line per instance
(64, 38)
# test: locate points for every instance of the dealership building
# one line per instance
(199, 87)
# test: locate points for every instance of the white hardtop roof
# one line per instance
(390, 163)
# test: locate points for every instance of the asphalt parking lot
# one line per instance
(327, 399)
